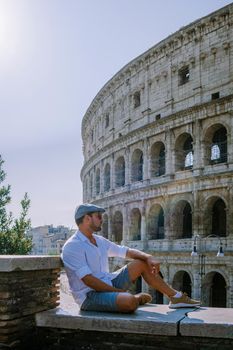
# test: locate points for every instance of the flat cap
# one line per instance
(87, 208)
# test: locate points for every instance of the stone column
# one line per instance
(143, 227)
(110, 234)
(230, 289)
(196, 287)
(198, 147)
(230, 140)
(112, 173)
(102, 177)
(229, 212)
(146, 176)
(127, 166)
(196, 217)
(125, 224)
(169, 156)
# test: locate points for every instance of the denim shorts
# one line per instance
(106, 301)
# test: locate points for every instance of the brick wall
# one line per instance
(28, 285)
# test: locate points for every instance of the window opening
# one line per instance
(183, 75)
(137, 99)
(218, 152)
(188, 153)
(215, 96)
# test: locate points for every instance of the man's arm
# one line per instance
(153, 263)
(98, 285)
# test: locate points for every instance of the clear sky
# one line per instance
(55, 55)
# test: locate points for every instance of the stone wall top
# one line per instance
(148, 319)
(9, 263)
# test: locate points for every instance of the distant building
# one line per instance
(158, 156)
(49, 240)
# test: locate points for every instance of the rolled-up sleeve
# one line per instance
(115, 250)
(75, 259)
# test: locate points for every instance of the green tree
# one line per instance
(13, 238)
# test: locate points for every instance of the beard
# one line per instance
(95, 228)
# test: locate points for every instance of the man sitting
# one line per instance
(85, 256)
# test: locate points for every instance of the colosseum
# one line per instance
(157, 144)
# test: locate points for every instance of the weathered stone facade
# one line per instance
(158, 150)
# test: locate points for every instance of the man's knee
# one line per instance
(126, 302)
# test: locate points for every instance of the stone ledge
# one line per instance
(11, 263)
(208, 322)
(149, 319)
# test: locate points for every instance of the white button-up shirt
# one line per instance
(81, 258)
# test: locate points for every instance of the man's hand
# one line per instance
(153, 264)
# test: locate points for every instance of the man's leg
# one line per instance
(139, 268)
(177, 299)
(127, 302)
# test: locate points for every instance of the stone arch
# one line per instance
(105, 226)
(135, 225)
(182, 282)
(184, 152)
(155, 222)
(215, 218)
(215, 141)
(137, 166)
(120, 172)
(117, 227)
(157, 159)
(97, 181)
(107, 177)
(182, 219)
(214, 290)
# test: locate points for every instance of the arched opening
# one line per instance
(215, 218)
(157, 159)
(120, 172)
(182, 282)
(97, 181)
(135, 227)
(214, 290)
(184, 152)
(137, 99)
(218, 153)
(215, 144)
(187, 221)
(218, 291)
(117, 227)
(107, 177)
(137, 166)
(105, 226)
(182, 220)
(155, 225)
(219, 218)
